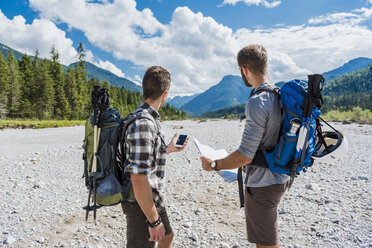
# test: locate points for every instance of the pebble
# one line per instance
(282, 211)
(9, 240)
(313, 186)
(187, 224)
(199, 211)
(363, 178)
(193, 236)
(225, 245)
(41, 240)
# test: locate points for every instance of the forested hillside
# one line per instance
(348, 91)
(35, 88)
(233, 111)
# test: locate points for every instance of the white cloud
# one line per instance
(357, 16)
(265, 3)
(107, 65)
(41, 34)
(137, 80)
(198, 51)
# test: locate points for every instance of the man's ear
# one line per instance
(246, 71)
(165, 94)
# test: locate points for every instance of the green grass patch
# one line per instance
(357, 114)
(36, 124)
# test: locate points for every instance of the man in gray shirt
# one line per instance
(264, 188)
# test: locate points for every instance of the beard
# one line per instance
(245, 79)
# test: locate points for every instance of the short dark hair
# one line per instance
(253, 57)
(155, 81)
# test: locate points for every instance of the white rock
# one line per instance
(41, 240)
(187, 224)
(313, 186)
(9, 240)
(193, 236)
(225, 245)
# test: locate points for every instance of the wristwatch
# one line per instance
(154, 224)
(214, 165)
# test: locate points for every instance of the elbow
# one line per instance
(248, 160)
(243, 160)
(137, 178)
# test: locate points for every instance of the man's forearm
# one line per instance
(234, 160)
(143, 194)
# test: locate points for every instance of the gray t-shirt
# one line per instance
(261, 127)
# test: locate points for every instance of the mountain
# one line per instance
(105, 75)
(5, 50)
(349, 67)
(343, 93)
(237, 110)
(230, 91)
(179, 101)
(92, 70)
(348, 91)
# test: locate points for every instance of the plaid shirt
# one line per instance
(146, 150)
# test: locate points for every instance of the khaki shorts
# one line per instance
(137, 229)
(261, 205)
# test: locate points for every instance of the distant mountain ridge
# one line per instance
(92, 70)
(105, 75)
(230, 91)
(218, 97)
(349, 67)
(343, 93)
(179, 101)
(5, 50)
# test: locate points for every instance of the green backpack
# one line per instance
(106, 182)
(107, 186)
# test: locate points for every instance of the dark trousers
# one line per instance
(137, 229)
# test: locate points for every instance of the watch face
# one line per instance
(213, 165)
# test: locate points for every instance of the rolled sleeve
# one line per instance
(141, 138)
(254, 127)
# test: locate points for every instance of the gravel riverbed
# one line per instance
(42, 193)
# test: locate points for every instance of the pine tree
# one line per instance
(4, 86)
(81, 56)
(61, 108)
(82, 101)
(44, 102)
(14, 96)
(26, 71)
(71, 92)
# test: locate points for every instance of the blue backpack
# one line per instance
(293, 152)
(283, 159)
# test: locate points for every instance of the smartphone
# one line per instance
(181, 140)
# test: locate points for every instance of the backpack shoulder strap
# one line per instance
(139, 115)
(275, 91)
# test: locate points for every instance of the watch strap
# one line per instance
(154, 224)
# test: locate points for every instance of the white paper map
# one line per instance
(209, 152)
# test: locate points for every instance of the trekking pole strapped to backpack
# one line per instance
(100, 102)
(312, 98)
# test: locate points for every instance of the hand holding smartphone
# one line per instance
(181, 140)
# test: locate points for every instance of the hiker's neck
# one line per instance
(257, 80)
(156, 104)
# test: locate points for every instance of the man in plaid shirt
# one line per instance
(147, 219)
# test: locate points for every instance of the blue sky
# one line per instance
(196, 40)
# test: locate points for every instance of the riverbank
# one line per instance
(43, 193)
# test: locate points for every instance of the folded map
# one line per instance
(209, 152)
